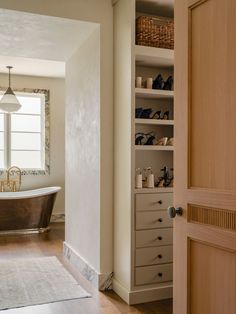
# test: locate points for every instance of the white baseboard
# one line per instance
(120, 290)
(101, 281)
(57, 217)
(142, 295)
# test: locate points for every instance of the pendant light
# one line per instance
(9, 103)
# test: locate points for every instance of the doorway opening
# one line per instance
(60, 56)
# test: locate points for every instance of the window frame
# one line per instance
(45, 132)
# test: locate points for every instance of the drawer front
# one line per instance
(150, 220)
(157, 237)
(154, 255)
(153, 274)
(154, 201)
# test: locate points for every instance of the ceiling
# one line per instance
(41, 39)
(33, 67)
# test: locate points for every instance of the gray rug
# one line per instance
(32, 281)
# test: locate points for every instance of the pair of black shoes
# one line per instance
(141, 113)
(157, 115)
(144, 139)
(159, 83)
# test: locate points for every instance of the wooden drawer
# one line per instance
(153, 274)
(150, 220)
(154, 255)
(154, 201)
(156, 237)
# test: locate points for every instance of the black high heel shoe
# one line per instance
(168, 84)
(157, 115)
(141, 113)
(166, 115)
(166, 177)
(150, 139)
(138, 138)
(138, 112)
(145, 114)
(158, 83)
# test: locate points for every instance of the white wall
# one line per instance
(123, 98)
(57, 131)
(83, 150)
(99, 12)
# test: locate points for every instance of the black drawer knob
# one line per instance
(160, 220)
(159, 256)
(159, 238)
(160, 274)
(159, 202)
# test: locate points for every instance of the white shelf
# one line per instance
(153, 93)
(154, 190)
(154, 121)
(154, 147)
(149, 56)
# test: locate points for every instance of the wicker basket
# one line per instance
(155, 32)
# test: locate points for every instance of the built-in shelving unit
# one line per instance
(150, 204)
(135, 209)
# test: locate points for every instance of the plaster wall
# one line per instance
(83, 151)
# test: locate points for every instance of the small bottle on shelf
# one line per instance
(138, 179)
(149, 178)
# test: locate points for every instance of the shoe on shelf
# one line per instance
(138, 112)
(139, 138)
(156, 115)
(150, 139)
(166, 115)
(168, 84)
(159, 183)
(170, 142)
(162, 141)
(146, 113)
(158, 83)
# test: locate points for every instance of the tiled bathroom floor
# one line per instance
(101, 303)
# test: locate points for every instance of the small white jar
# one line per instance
(149, 82)
(138, 82)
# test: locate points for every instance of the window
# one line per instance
(24, 134)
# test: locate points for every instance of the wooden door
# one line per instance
(205, 157)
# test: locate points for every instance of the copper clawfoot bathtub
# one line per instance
(26, 211)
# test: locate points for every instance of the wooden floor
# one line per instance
(51, 244)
